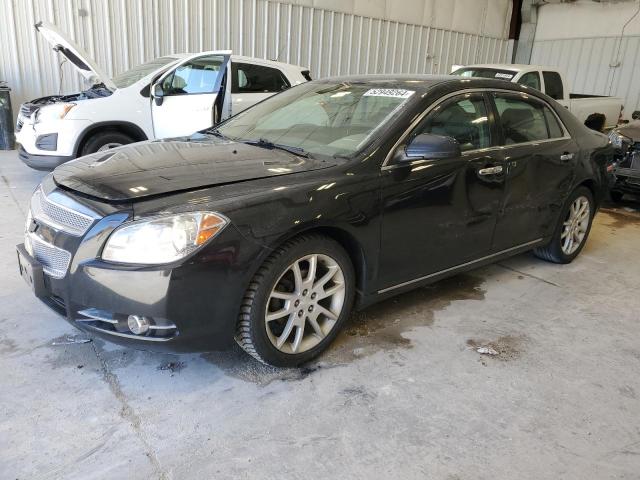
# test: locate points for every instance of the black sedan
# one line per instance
(332, 195)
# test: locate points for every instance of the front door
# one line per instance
(190, 93)
(438, 214)
(540, 159)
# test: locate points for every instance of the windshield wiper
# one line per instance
(263, 143)
(214, 131)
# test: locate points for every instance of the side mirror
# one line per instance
(429, 146)
(158, 94)
(636, 115)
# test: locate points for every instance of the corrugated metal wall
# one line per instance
(593, 65)
(123, 33)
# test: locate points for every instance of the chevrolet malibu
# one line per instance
(270, 228)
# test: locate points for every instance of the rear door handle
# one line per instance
(565, 157)
(490, 170)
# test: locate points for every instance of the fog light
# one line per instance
(138, 324)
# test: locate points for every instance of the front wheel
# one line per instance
(107, 140)
(572, 230)
(296, 302)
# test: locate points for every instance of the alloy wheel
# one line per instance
(305, 303)
(575, 226)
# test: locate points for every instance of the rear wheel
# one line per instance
(297, 302)
(102, 141)
(572, 230)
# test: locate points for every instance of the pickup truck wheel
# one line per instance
(105, 141)
(572, 230)
(297, 302)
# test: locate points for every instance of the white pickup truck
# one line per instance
(550, 81)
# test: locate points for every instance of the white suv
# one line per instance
(170, 96)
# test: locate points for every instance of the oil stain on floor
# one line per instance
(381, 326)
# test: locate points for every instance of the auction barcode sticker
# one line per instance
(506, 76)
(388, 92)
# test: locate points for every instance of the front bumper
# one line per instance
(626, 180)
(194, 303)
(41, 162)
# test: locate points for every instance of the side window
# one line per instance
(524, 120)
(248, 78)
(555, 130)
(553, 85)
(463, 118)
(197, 76)
(531, 79)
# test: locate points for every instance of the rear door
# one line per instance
(191, 90)
(540, 159)
(438, 214)
(252, 83)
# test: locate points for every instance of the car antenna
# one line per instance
(277, 59)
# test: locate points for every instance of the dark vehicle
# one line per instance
(333, 194)
(625, 168)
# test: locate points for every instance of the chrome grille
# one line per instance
(59, 216)
(54, 260)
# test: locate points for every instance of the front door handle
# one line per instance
(565, 157)
(490, 170)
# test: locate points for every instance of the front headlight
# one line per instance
(162, 239)
(53, 112)
(618, 140)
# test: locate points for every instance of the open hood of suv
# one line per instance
(155, 168)
(76, 55)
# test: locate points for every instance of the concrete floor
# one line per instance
(402, 394)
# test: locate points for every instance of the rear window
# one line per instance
(250, 78)
(486, 73)
(307, 75)
(553, 85)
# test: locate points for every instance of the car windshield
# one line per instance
(131, 76)
(319, 118)
(485, 73)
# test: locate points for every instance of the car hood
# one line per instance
(80, 59)
(630, 130)
(160, 167)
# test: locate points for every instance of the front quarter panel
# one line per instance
(339, 200)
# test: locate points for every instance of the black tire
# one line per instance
(616, 195)
(552, 252)
(99, 140)
(251, 328)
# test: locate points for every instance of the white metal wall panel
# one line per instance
(122, 33)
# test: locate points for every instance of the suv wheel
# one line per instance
(105, 141)
(572, 230)
(296, 302)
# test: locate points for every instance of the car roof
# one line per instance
(424, 82)
(514, 67)
(242, 58)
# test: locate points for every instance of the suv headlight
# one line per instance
(53, 112)
(162, 239)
